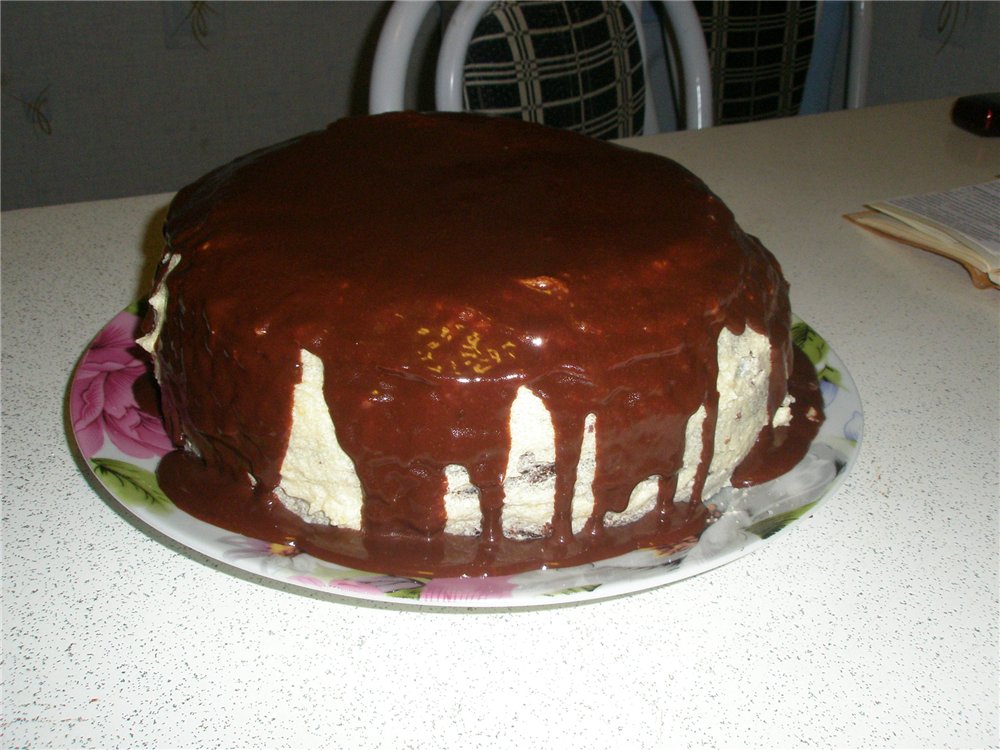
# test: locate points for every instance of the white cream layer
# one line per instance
(158, 303)
(319, 481)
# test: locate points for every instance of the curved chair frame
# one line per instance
(399, 34)
(860, 51)
(833, 18)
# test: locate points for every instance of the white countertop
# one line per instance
(873, 623)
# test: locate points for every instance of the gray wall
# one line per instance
(912, 59)
(101, 100)
(134, 102)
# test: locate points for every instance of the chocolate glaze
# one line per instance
(435, 264)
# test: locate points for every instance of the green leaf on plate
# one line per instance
(830, 374)
(138, 307)
(811, 343)
(771, 526)
(131, 484)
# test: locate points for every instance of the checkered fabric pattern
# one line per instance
(760, 53)
(572, 65)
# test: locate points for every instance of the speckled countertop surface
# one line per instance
(871, 624)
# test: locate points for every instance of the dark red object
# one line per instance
(979, 114)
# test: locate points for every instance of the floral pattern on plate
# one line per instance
(121, 436)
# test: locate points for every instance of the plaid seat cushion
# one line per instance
(760, 54)
(572, 65)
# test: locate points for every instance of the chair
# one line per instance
(778, 59)
(832, 24)
(456, 65)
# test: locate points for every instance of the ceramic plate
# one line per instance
(122, 442)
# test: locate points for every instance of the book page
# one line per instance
(972, 212)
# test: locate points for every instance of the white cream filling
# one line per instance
(319, 481)
(743, 385)
(461, 503)
(586, 468)
(529, 481)
(316, 473)
(158, 303)
(529, 484)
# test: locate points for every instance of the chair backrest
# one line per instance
(779, 59)
(760, 55)
(546, 77)
(578, 66)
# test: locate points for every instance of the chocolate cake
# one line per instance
(457, 345)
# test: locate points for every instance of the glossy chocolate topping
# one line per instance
(435, 264)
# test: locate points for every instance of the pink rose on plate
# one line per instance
(471, 588)
(103, 401)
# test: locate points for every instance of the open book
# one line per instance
(963, 224)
